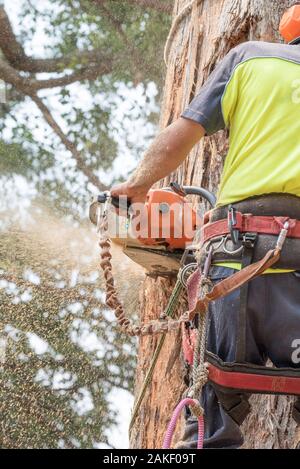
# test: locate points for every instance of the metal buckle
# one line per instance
(249, 240)
(232, 221)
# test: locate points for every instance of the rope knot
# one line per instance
(201, 376)
(206, 285)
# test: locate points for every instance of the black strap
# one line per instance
(236, 405)
(247, 257)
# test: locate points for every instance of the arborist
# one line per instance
(255, 93)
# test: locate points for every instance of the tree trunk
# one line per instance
(201, 39)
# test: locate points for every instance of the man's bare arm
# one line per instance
(167, 152)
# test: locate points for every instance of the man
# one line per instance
(255, 93)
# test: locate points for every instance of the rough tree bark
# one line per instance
(208, 32)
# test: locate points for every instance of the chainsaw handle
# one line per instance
(192, 190)
(119, 203)
(207, 195)
(115, 201)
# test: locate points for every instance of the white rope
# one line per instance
(181, 15)
(200, 369)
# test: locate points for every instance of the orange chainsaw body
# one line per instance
(166, 219)
(155, 234)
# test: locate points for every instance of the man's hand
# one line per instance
(134, 194)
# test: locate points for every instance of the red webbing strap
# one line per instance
(268, 384)
(250, 223)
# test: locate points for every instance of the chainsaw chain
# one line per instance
(160, 326)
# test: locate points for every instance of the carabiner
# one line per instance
(236, 251)
(232, 221)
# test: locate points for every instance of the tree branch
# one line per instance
(9, 75)
(67, 143)
(16, 57)
(27, 84)
(29, 88)
(117, 25)
(89, 73)
(57, 65)
(9, 45)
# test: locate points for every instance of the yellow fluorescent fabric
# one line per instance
(261, 106)
(238, 266)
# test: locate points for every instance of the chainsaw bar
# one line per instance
(156, 262)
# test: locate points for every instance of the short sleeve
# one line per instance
(206, 107)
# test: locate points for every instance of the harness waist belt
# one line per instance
(252, 378)
(248, 223)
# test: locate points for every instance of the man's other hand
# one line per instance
(134, 194)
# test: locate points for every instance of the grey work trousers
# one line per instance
(272, 332)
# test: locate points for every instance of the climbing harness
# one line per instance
(248, 223)
(229, 379)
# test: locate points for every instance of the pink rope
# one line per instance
(171, 427)
(200, 432)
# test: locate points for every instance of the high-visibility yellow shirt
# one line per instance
(255, 93)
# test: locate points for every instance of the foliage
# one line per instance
(61, 353)
(104, 44)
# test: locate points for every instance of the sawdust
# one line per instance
(52, 311)
(47, 240)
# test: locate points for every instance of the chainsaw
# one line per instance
(155, 234)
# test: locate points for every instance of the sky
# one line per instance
(18, 193)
